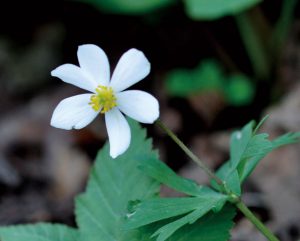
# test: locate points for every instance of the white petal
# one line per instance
(72, 74)
(138, 105)
(73, 113)
(93, 61)
(118, 132)
(132, 67)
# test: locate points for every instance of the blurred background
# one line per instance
(215, 66)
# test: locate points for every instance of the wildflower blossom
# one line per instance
(108, 96)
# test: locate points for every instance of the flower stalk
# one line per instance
(258, 224)
(189, 153)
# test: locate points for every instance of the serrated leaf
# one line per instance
(239, 141)
(100, 211)
(166, 231)
(162, 173)
(129, 6)
(288, 138)
(38, 232)
(212, 227)
(213, 9)
(231, 178)
(247, 149)
(157, 209)
(258, 147)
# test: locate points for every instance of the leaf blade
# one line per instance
(212, 226)
(112, 184)
(39, 232)
(162, 173)
(214, 9)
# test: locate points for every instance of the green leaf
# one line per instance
(129, 6)
(258, 147)
(239, 141)
(231, 178)
(288, 138)
(162, 173)
(157, 209)
(214, 9)
(207, 76)
(247, 149)
(101, 210)
(166, 231)
(239, 90)
(254, 45)
(38, 232)
(283, 25)
(212, 227)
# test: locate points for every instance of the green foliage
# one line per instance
(214, 9)
(209, 75)
(288, 138)
(283, 24)
(212, 226)
(102, 210)
(183, 82)
(202, 200)
(38, 232)
(258, 147)
(157, 209)
(254, 45)
(231, 177)
(247, 149)
(162, 173)
(121, 202)
(239, 90)
(113, 183)
(166, 231)
(129, 6)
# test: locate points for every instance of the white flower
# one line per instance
(108, 95)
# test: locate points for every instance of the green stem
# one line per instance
(189, 153)
(283, 25)
(258, 224)
(233, 198)
(253, 45)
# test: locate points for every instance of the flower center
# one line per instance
(104, 99)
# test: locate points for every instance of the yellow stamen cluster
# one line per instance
(104, 99)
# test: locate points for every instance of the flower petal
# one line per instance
(73, 113)
(93, 61)
(138, 105)
(132, 67)
(118, 132)
(72, 74)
